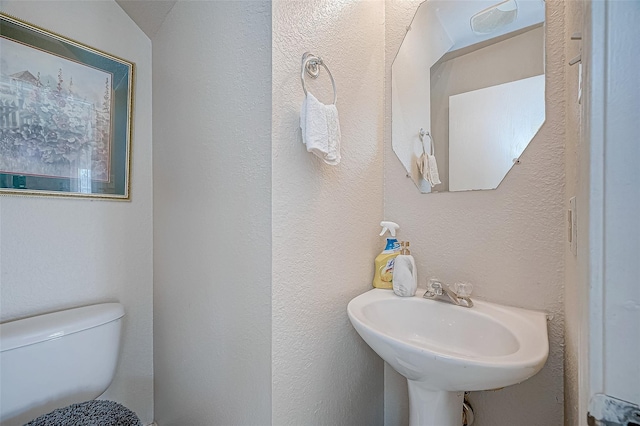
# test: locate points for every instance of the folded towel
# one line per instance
(433, 177)
(320, 129)
(427, 164)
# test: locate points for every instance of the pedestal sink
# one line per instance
(444, 350)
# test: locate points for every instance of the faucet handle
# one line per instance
(463, 289)
(434, 286)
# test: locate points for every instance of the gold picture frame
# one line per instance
(65, 116)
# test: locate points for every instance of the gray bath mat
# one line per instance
(90, 413)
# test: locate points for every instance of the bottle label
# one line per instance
(386, 272)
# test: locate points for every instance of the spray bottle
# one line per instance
(384, 263)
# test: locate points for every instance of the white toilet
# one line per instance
(53, 360)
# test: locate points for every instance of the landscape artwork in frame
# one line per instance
(65, 116)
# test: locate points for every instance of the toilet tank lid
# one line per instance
(40, 328)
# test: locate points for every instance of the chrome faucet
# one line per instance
(438, 291)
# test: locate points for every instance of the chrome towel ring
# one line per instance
(422, 134)
(310, 66)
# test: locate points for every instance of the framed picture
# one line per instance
(65, 116)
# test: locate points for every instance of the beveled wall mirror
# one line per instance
(470, 75)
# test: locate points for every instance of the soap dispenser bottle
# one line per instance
(383, 275)
(405, 274)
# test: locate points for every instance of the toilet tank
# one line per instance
(53, 360)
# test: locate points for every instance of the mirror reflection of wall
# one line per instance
(496, 62)
(481, 97)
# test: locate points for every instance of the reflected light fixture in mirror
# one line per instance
(480, 94)
(494, 18)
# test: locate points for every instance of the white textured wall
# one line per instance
(508, 242)
(62, 253)
(325, 219)
(212, 212)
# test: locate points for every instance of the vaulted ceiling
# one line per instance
(147, 14)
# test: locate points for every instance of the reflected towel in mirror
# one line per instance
(431, 170)
(427, 164)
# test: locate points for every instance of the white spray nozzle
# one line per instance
(392, 227)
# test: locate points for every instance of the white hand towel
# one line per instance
(427, 164)
(433, 177)
(320, 129)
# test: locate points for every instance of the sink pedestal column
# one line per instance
(434, 408)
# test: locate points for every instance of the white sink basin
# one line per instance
(444, 350)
